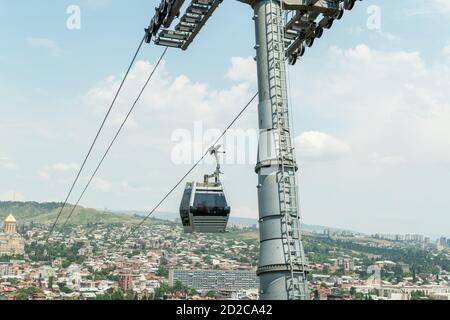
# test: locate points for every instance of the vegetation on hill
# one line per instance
(45, 213)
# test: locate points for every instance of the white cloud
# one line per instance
(447, 50)
(143, 152)
(123, 187)
(129, 187)
(244, 212)
(315, 145)
(57, 169)
(362, 55)
(7, 164)
(102, 185)
(242, 70)
(12, 196)
(386, 160)
(65, 167)
(391, 36)
(389, 102)
(44, 175)
(429, 7)
(51, 46)
(169, 103)
(442, 6)
(393, 109)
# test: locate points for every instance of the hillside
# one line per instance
(45, 213)
(237, 220)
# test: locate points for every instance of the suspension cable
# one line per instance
(191, 169)
(95, 139)
(117, 134)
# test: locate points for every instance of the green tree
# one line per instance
(179, 286)
(50, 282)
(418, 295)
(163, 290)
(63, 288)
(117, 295)
(359, 296)
(163, 269)
(28, 293)
(326, 270)
(22, 296)
(208, 260)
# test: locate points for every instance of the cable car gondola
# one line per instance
(204, 208)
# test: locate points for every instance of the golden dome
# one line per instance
(10, 218)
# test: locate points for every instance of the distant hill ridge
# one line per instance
(45, 213)
(236, 220)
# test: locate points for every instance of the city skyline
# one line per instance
(242, 222)
(91, 262)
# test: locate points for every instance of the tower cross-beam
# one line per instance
(283, 29)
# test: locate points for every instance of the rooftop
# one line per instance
(10, 218)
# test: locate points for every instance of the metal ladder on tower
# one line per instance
(286, 176)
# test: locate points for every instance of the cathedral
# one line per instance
(11, 243)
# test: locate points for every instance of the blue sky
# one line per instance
(370, 109)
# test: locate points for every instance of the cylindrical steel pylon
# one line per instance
(281, 263)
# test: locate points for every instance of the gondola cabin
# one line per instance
(204, 208)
